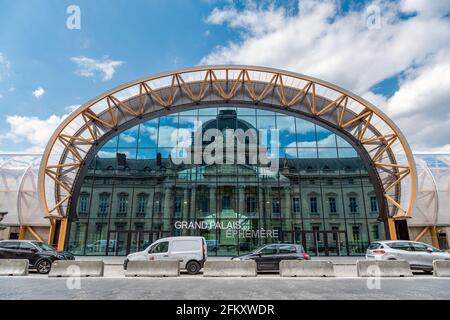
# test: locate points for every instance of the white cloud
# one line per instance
(421, 106)
(127, 138)
(5, 66)
(39, 92)
(89, 67)
(323, 42)
(33, 130)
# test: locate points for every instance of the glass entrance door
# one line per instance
(122, 243)
(325, 243)
(118, 243)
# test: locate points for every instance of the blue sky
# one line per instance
(149, 36)
(144, 37)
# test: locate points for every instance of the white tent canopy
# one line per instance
(433, 197)
(19, 192)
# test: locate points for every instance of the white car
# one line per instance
(419, 255)
(190, 251)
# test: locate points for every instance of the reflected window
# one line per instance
(178, 206)
(142, 204)
(376, 232)
(251, 205)
(353, 204)
(226, 202)
(123, 203)
(373, 204)
(139, 226)
(103, 204)
(316, 230)
(332, 204)
(356, 233)
(276, 208)
(158, 204)
(83, 203)
(313, 204)
(335, 230)
(204, 204)
(296, 205)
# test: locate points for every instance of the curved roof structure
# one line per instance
(433, 197)
(83, 132)
(19, 192)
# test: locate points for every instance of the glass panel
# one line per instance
(128, 138)
(320, 195)
(325, 138)
(347, 153)
(148, 134)
(306, 133)
(168, 131)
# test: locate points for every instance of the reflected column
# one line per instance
(212, 200)
(241, 204)
(185, 208)
(150, 205)
(167, 208)
(192, 211)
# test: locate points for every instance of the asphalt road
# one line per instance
(266, 287)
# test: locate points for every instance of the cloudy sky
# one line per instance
(396, 54)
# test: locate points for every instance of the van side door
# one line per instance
(186, 250)
(159, 251)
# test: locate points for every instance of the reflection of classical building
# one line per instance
(110, 180)
(327, 203)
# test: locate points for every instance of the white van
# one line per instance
(190, 251)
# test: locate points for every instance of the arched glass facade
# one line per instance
(135, 190)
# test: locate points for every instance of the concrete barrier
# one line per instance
(14, 267)
(166, 268)
(441, 268)
(72, 268)
(230, 268)
(345, 269)
(306, 268)
(383, 268)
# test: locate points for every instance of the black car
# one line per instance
(268, 257)
(39, 254)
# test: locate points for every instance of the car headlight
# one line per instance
(60, 257)
(236, 259)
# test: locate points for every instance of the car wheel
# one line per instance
(193, 267)
(43, 266)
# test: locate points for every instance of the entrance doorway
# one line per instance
(323, 243)
(121, 243)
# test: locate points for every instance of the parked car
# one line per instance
(419, 255)
(39, 254)
(268, 257)
(190, 251)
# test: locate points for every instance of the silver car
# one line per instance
(419, 255)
